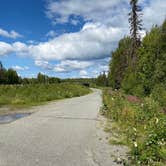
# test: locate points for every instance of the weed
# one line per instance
(142, 125)
(29, 95)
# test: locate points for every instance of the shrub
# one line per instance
(142, 123)
(159, 94)
(37, 93)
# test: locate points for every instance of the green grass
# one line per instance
(142, 125)
(29, 95)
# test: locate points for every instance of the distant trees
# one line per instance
(3, 76)
(81, 81)
(54, 80)
(1, 66)
(10, 76)
(42, 78)
(102, 80)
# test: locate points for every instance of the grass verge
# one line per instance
(142, 124)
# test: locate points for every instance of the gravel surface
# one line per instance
(63, 133)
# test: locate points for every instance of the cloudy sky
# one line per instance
(66, 38)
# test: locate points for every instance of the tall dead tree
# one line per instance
(135, 28)
(1, 66)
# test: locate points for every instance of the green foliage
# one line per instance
(159, 94)
(82, 81)
(142, 123)
(154, 146)
(152, 62)
(37, 93)
(131, 84)
(119, 63)
(44, 79)
(102, 80)
(9, 76)
(41, 78)
(150, 69)
(3, 76)
(12, 77)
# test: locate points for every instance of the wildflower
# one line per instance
(135, 144)
(157, 120)
(112, 99)
(160, 143)
(134, 129)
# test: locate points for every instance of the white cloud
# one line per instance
(12, 34)
(106, 11)
(64, 66)
(104, 68)
(95, 73)
(5, 48)
(51, 33)
(69, 65)
(154, 13)
(19, 68)
(74, 22)
(43, 64)
(83, 74)
(94, 41)
(20, 48)
(16, 47)
(31, 42)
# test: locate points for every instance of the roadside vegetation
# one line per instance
(135, 101)
(140, 124)
(33, 94)
(16, 91)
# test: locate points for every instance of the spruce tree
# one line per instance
(1, 66)
(135, 28)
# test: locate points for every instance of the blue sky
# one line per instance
(69, 38)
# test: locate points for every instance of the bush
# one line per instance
(37, 93)
(159, 94)
(142, 123)
(132, 85)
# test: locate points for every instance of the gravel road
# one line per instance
(62, 133)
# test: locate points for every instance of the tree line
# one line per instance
(10, 76)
